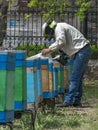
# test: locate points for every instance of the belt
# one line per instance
(87, 45)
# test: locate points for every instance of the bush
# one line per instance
(34, 49)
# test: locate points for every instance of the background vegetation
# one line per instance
(50, 8)
(34, 49)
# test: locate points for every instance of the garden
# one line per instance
(70, 118)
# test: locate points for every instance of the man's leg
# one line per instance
(80, 63)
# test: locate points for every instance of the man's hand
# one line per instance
(45, 51)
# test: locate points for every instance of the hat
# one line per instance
(43, 28)
(50, 25)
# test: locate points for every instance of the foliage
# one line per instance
(3, 19)
(7, 2)
(11, 3)
(5, 5)
(50, 8)
(34, 49)
(84, 6)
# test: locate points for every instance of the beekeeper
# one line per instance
(77, 47)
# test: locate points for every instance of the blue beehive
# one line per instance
(7, 78)
(55, 78)
(32, 89)
(39, 80)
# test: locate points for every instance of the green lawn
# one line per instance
(85, 118)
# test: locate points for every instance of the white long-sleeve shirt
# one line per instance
(68, 38)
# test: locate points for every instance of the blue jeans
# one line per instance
(75, 87)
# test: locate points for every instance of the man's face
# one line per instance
(49, 34)
(49, 39)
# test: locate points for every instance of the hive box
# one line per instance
(20, 97)
(7, 82)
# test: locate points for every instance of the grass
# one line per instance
(71, 118)
(85, 118)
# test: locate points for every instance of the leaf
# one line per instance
(27, 16)
(33, 3)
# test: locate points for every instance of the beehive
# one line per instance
(7, 81)
(47, 78)
(20, 81)
(60, 77)
(32, 90)
(66, 79)
(55, 78)
(39, 80)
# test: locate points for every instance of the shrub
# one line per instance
(31, 49)
(34, 49)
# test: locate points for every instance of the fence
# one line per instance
(21, 31)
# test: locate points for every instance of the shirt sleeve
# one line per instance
(60, 40)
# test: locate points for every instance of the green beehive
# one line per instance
(7, 78)
(6, 90)
(60, 80)
(20, 83)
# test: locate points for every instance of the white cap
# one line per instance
(43, 28)
(51, 25)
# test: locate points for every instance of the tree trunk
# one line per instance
(3, 19)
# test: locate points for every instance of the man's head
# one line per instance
(48, 30)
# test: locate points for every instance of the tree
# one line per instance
(3, 19)
(49, 8)
(4, 6)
